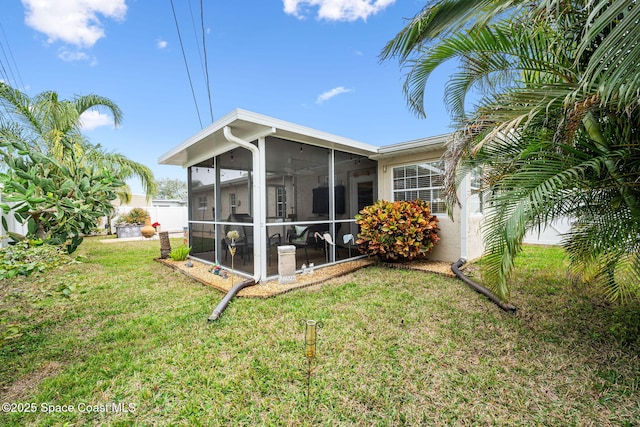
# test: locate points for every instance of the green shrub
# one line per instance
(134, 216)
(397, 231)
(180, 253)
(59, 201)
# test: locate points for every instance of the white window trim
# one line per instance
(427, 164)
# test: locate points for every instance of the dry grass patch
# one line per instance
(16, 391)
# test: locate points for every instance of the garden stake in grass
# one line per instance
(310, 338)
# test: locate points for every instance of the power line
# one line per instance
(195, 37)
(206, 67)
(4, 72)
(175, 18)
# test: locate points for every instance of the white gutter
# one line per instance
(464, 225)
(258, 206)
(261, 200)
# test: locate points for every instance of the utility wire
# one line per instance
(6, 76)
(3, 71)
(206, 66)
(195, 37)
(175, 18)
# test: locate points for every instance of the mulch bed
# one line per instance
(201, 272)
(438, 267)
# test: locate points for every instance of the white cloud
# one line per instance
(161, 44)
(92, 119)
(72, 55)
(331, 93)
(336, 10)
(72, 21)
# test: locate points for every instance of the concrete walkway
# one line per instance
(172, 234)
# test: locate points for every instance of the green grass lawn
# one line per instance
(397, 348)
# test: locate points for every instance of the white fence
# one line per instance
(550, 235)
(171, 219)
(14, 227)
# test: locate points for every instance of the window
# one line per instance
(202, 203)
(232, 202)
(280, 201)
(476, 202)
(424, 181)
(201, 178)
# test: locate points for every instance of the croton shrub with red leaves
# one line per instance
(397, 231)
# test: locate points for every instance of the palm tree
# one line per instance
(45, 122)
(557, 130)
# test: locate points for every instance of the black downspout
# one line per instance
(228, 297)
(479, 288)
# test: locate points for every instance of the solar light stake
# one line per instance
(232, 235)
(310, 338)
(233, 253)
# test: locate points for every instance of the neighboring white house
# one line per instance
(273, 181)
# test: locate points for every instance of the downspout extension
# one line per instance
(228, 297)
(479, 288)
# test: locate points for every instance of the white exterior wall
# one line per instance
(137, 201)
(475, 246)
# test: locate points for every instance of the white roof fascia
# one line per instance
(431, 143)
(254, 126)
(212, 128)
(336, 141)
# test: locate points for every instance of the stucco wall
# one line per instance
(474, 220)
(137, 201)
(475, 247)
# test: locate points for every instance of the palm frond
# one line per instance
(604, 251)
(18, 108)
(439, 20)
(91, 101)
(125, 169)
(612, 43)
(556, 130)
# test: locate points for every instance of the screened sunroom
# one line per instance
(275, 183)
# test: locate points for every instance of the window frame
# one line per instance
(233, 203)
(410, 182)
(203, 203)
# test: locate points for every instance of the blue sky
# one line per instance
(310, 62)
